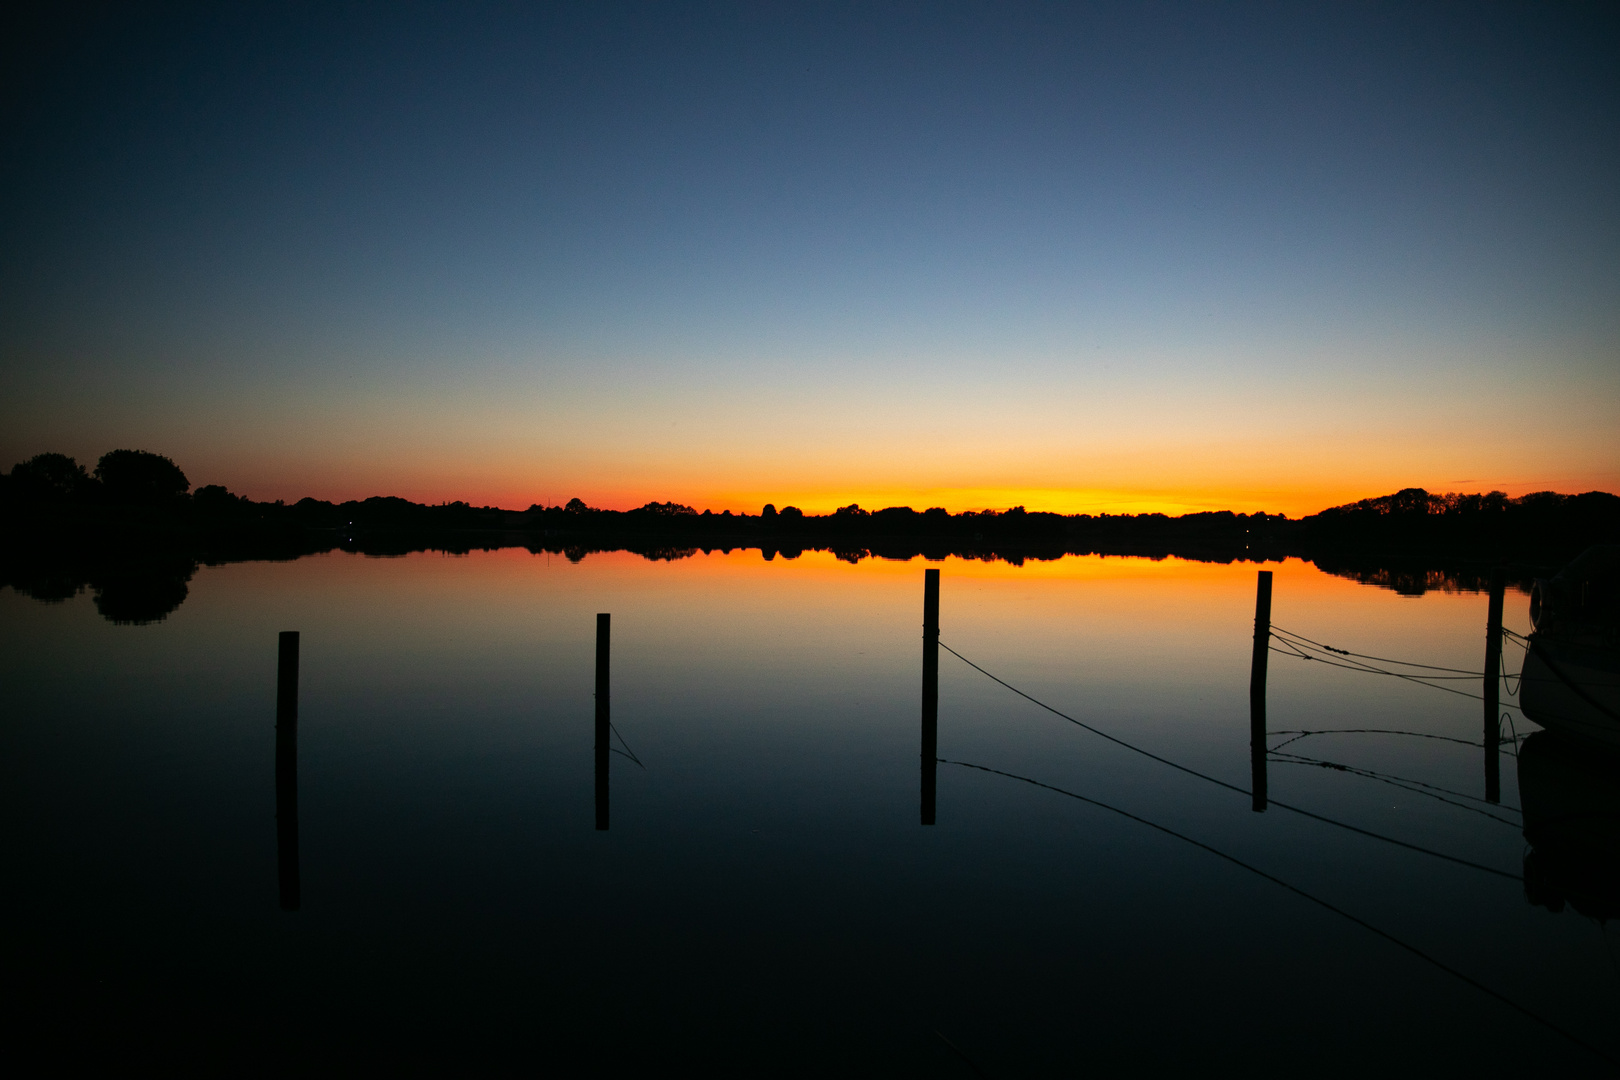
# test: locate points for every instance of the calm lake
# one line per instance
(766, 900)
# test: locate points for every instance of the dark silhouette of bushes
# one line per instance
(138, 592)
(213, 500)
(129, 587)
(50, 478)
(139, 478)
(1543, 523)
(132, 535)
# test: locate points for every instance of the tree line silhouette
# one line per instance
(133, 532)
(121, 477)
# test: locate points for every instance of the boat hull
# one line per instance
(1573, 689)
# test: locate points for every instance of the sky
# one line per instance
(1086, 258)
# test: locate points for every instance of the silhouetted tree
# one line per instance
(143, 591)
(49, 478)
(769, 513)
(216, 499)
(577, 506)
(139, 478)
(46, 579)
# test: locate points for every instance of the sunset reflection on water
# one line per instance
(765, 883)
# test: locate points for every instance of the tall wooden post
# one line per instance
(287, 771)
(1493, 685)
(1257, 690)
(930, 692)
(603, 716)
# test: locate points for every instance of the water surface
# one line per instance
(766, 899)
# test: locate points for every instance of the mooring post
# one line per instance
(1493, 684)
(1257, 690)
(930, 692)
(287, 771)
(603, 719)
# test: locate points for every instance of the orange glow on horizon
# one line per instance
(1298, 582)
(745, 562)
(1293, 503)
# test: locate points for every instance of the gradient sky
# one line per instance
(1079, 257)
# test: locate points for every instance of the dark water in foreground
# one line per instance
(766, 900)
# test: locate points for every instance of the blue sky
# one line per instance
(1265, 256)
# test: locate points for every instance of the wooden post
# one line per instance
(930, 692)
(287, 771)
(1493, 685)
(602, 720)
(1257, 690)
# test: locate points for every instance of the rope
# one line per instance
(1509, 718)
(1231, 787)
(1302, 733)
(1299, 734)
(1510, 682)
(628, 753)
(1094, 731)
(1421, 680)
(1296, 890)
(1461, 672)
(1402, 782)
(961, 1054)
(1398, 843)
(1294, 649)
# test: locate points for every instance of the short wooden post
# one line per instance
(1493, 685)
(287, 771)
(1257, 690)
(930, 692)
(603, 719)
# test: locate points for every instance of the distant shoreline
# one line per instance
(1542, 528)
(137, 559)
(133, 532)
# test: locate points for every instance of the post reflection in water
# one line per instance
(1493, 686)
(603, 720)
(930, 693)
(1257, 691)
(774, 902)
(287, 771)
